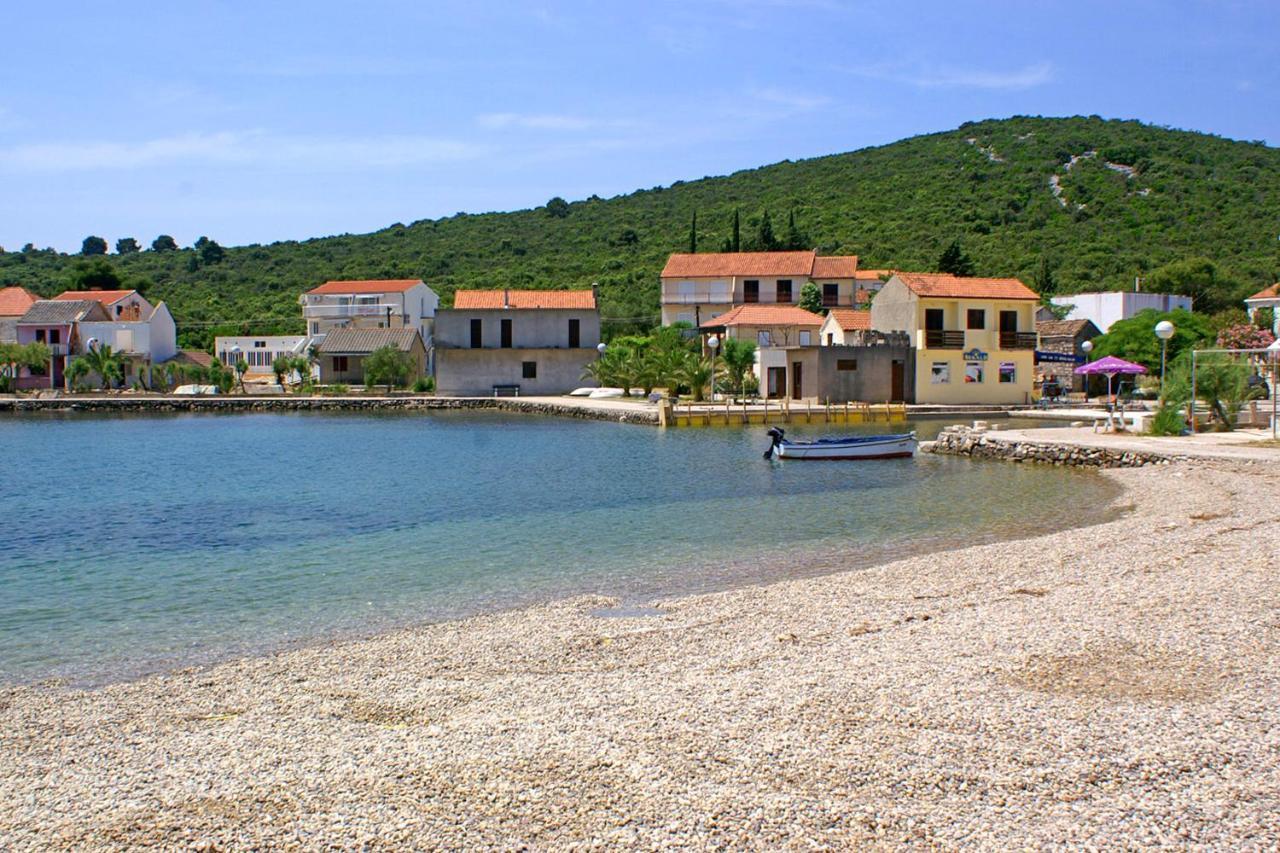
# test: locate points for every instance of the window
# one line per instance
(39, 336)
(830, 295)
(575, 333)
(477, 334)
(973, 373)
(315, 328)
(940, 373)
(846, 364)
(260, 344)
(506, 333)
(805, 338)
(339, 364)
(55, 336)
(977, 318)
(529, 369)
(762, 338)
(784, 290)
(1008, 373)
(751, 291)
(831, 338)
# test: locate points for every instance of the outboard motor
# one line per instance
(777, 434)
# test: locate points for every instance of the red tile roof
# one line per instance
(875, 274)
(835, 266)
(105, 297)
(1271, 292)
(719, 264)
(14, 301)
(862, 295)
(948, 286)
(850, 320)
(765, 314)
(396, 285)
(525, 299)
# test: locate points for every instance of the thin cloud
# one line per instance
(796, 101)
(946, 77)
(548, 121)
(236, 148)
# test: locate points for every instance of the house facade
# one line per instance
(778, 331)
(145, 342)
(529, 342)
(342, 353)
(844, 326)
(698, 288)
(56, 324)
(369, 304)
(258, 351)
(1267, 298)
(974, 338)
(1104, 309)
(1063, 338)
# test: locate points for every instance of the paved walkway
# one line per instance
(1239, 445)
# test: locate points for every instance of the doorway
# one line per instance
(897, 380)
(776, 384)
(797, 384)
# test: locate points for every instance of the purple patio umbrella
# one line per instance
(1110, 365)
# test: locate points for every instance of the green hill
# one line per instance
(1133, 199)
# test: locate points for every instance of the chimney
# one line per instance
(1137, 284)
(506, 297)
(595, 293)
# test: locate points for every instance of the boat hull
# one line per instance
(897, 447)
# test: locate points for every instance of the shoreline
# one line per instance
(937, 699)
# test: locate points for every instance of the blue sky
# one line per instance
(255, 122)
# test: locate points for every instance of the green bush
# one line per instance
(424, 384)
(1168, 420)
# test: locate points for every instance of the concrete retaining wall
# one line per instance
(964, 441)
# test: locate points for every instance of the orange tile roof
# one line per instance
(1271, 292)
(714, 264)
(862, 295)
(765, 314)
(874, 274)
(949, 286)
(104, 297)
(14, 301)
(390, 285)
(851, 320)
(525, 299)
(835, 266)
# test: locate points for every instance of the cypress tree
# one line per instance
(735, 242)
(955, 261)
(766, 239)
(795, 240)
(693, 234)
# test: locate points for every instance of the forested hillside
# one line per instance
(1066, 204)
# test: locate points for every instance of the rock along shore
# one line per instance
(232, 403)
(981, 444)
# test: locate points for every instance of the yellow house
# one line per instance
(974, 338)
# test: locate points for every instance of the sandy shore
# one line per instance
(1118, 684)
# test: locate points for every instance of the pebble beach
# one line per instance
(1114, 685)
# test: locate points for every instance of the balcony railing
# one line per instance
(706, 297)
(1017, 340)
(365, 310)
(943, 339)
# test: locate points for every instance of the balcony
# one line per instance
(326, 312)
(1018, 340)
(704, 297)
(943, 339)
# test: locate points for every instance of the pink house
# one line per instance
(55, 322)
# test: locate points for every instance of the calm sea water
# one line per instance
(130, 544)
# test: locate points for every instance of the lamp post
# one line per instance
(1086, 348)
(235, 364)
(714, 343)
(1164, 331)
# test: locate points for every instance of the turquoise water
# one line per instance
(132, 544)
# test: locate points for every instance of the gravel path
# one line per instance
(1112, 686)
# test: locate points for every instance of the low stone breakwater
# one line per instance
(232, 404)
(981, 444)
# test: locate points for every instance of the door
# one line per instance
(1008, 329)
(506, 334)
(897, 390)
(933, 319)
(776, 386)
(797, 383)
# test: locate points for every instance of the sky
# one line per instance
(266, 121)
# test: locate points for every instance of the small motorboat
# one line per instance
(850, 447)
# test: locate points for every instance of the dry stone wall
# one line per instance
(980, 444)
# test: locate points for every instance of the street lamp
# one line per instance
(235, 364)
(1164, 331)
(714, 343)
(600, 348)
(1086, 347)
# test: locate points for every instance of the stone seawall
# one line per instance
(978, 443)
(232, 404)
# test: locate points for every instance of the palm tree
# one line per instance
(606, 370)
(695, 373)
(78, 369)
(102, 360)
(738, 357)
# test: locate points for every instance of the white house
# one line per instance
(1103, 309)
(258, 351)
(372, 304)
(1267, 298)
